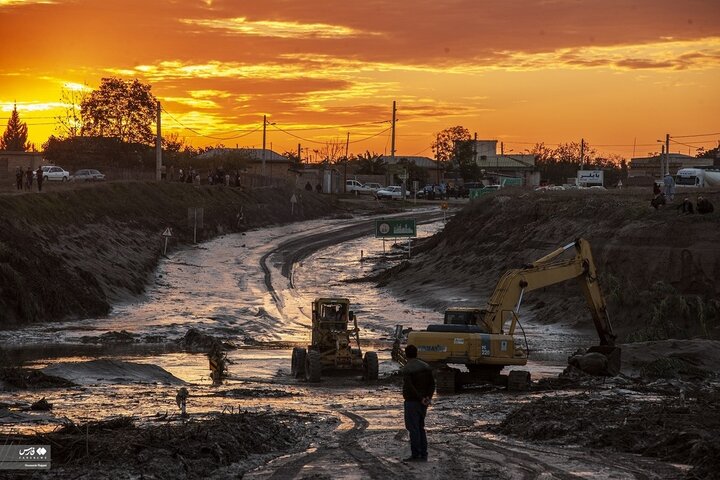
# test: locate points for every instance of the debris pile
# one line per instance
(15, 377)
(192, 449)
(681, 426)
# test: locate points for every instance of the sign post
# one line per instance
(167, 234)
(195, 220)
(395, 228)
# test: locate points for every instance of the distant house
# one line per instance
(650, 166)
(504, 166)
(276, 165)
(9, 161)
(422, 162)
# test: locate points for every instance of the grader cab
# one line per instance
(334, 344)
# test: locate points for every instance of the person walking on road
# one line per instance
(39, 175)
(418, 389)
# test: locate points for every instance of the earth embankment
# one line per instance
(73, 252)
(659, 269)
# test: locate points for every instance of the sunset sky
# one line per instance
(615, 72)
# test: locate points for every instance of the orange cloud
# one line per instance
(278, 29)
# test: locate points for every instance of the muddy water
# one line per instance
(220, 288)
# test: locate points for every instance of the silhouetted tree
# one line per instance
(712, 153)
(14, 137)
(445, 141)
(70, 120)
(370, 164)
(121, 109)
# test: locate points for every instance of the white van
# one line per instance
(690, 177)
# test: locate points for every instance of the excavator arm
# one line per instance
(505, 301)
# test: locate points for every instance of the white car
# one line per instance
(374, 187)
(56, 174)
(353, 186)
(392, 192)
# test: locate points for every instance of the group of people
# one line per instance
(25, 179)
(662, 195)
(702, 206)
(309, 187)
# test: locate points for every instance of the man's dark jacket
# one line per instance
(418, 381)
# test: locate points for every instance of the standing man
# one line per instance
(418, 389)
(28, 178)
(18, 178)
(39, 177)
(669, 183)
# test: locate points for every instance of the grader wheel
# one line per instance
(297, 368)
(370, 366)
(313, 366)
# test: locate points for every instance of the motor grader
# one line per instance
(483, 339)
(334, 344)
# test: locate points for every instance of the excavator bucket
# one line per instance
(601, 360)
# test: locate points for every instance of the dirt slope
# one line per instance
(71, 253)
(659, 269)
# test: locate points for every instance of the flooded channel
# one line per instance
(220, 288)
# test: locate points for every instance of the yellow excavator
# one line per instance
(483, 339)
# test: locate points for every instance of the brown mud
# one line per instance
(659, 269)
(222, 445)
(659, 420)
(72, 253)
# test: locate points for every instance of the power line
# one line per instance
(333, 127)
(688, 145)
(696, 135)
(323, 143)
(210, 136)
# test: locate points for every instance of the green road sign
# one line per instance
(402, 227)
(479, 192)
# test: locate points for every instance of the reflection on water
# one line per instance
(219, 288)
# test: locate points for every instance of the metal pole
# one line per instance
(667, 154)
(437, 157)
(262, 170)
(158, 146)
(347, 147)
(662, 156)
(582, 153)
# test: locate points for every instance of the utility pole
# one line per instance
(662, 156)
(299, 157)
(582, 153)
(392, 146)
(158, 146)
(347, 147)
(502, 149)
(437, 157)
(667, 154)
(475, 149)
(262, 170)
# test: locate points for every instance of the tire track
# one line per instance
(297, 249)
(349, 444)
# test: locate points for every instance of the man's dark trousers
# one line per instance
(415, 424)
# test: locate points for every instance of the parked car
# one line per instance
(353, 186)
(374, 187)
(392, 192)
(55, 173)
(88, 175)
